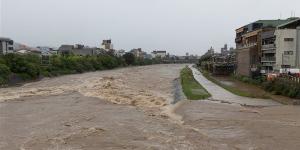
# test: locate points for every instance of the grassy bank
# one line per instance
(191, 88)
(231, 89)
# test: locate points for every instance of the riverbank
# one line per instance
(247, 90)
(18, 69)
(220, 94)
(191, 88)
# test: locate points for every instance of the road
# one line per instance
(132, 108)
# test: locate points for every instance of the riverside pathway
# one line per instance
(220, 94)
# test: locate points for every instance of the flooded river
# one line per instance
(135, 108)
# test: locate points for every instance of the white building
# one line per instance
(6, 45)
(159, 54)
(107, 45)
(288, 45)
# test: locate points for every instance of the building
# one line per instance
(224, 50)
(120, 53)
(107, 45)
(159, 54)
(6, 45)
(46, 51)
(288, 45)
(211, 51)
(137, 52)
(65, 49)
(27, 51)
(78, 50)
(254, 47)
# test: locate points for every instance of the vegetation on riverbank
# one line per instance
(231, 89)
(278, 86)
(191, 88)
(29, 67)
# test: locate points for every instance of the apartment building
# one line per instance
(6, 45)
(288, 45)
(255, 52)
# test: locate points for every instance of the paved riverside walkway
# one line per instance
(220, 94)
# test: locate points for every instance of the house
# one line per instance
(6, 45)
(159, 54)
(288, 45)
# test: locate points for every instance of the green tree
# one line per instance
(4, 74)
(129, 58)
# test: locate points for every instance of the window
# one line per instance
(288, 52)
(288, 39)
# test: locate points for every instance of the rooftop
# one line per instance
(5, 39)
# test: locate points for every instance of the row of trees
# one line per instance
(29, 67)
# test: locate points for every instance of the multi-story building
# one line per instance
(6, 45)
(107, 45)
(255, 52)
(78, 50)
(288, 45)
(224, 50)
(159, 54)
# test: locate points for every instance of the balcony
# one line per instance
(268, 59)
(249, 45)
(269, 51)
(268, 64)
(238, 39)
(268, 47)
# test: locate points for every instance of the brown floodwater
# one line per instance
(135, 108)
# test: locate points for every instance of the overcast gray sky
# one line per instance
(178, 26)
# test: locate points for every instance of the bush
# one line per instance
(129, 58)
(4, 74)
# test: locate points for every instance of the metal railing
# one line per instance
(268, 47)
(267, 59)
(269, 51)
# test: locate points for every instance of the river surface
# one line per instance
(139, 108)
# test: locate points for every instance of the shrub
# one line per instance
(129, 58)
(4, 74)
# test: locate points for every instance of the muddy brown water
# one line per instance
(133, 108)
